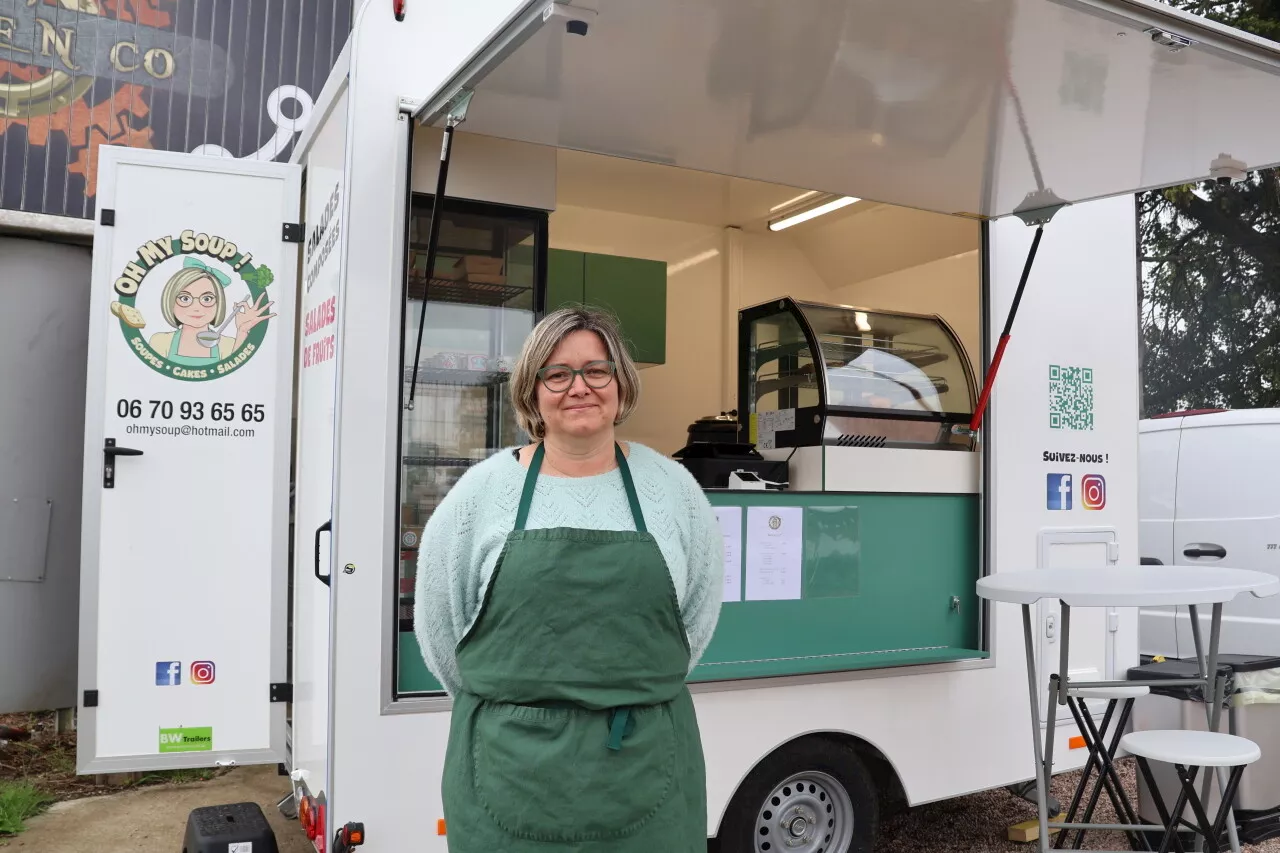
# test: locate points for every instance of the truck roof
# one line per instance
(1208, 418)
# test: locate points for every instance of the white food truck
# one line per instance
(819, 216)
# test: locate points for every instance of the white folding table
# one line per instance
(1116, 586)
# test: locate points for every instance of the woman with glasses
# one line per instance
(564, 592)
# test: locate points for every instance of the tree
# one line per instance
(1211, 274)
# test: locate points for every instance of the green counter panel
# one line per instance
(412, 675)
(878, 575)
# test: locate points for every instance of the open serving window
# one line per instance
(982, 110)
(812, 374)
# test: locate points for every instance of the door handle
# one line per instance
(328, 525)
(109, 453)
(1208, 549)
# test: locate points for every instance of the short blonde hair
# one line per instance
(182, 279)
(544, 339)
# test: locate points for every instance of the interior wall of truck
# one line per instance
(676, 255)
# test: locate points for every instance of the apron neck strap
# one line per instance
(531, 482)
(632, 498)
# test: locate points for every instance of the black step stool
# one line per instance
(219, 829)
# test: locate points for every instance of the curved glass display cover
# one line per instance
(879, 360)
(879, 378)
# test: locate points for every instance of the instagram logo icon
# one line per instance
(1093, 491)
(202, 672)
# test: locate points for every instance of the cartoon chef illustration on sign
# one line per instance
(194, 303)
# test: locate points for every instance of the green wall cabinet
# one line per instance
(634, 289)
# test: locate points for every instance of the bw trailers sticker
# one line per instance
(211, 298)
(186, 740)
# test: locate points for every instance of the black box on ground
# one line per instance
(232, 828)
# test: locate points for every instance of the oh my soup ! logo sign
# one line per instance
(207, 300)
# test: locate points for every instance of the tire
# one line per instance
(793, 791)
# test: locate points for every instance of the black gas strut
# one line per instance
(456, 118)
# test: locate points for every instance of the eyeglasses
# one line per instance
(206, 299)
(557, 377)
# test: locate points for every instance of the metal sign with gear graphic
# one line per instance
(230, 79)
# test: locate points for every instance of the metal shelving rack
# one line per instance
(460, 415)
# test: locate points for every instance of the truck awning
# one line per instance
(955, 106)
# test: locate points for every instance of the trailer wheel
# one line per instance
(812, 796)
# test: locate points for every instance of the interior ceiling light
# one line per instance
(806, 215)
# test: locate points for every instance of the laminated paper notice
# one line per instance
(731, 529)
(775, 548)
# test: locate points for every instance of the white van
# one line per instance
(1209, 494)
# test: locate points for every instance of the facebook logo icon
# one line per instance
(1058, 493)
(168, 673)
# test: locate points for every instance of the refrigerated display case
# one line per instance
(481, 302)
(813, 374)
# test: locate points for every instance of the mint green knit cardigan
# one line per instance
(461, 542)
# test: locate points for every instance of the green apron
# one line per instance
(189, 360)
(574, 729)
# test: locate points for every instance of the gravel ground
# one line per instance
(981, 822)
(973, 824)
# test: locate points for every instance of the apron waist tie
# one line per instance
(618, 728)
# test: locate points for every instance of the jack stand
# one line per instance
(1027, 791)
(288, 807)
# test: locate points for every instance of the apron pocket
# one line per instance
(546, 774)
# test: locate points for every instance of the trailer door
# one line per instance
(186, 462)
(313, 477)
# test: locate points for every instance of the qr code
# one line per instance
(1070, 398)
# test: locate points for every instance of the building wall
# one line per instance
(231, 78)
(238, 75)
(43, 351)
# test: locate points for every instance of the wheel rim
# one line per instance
(809, 812)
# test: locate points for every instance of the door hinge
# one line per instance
(1113, 552)
(282, 692)
(91, 698)
(1113, 621)
(292, 232)
(107, 216)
